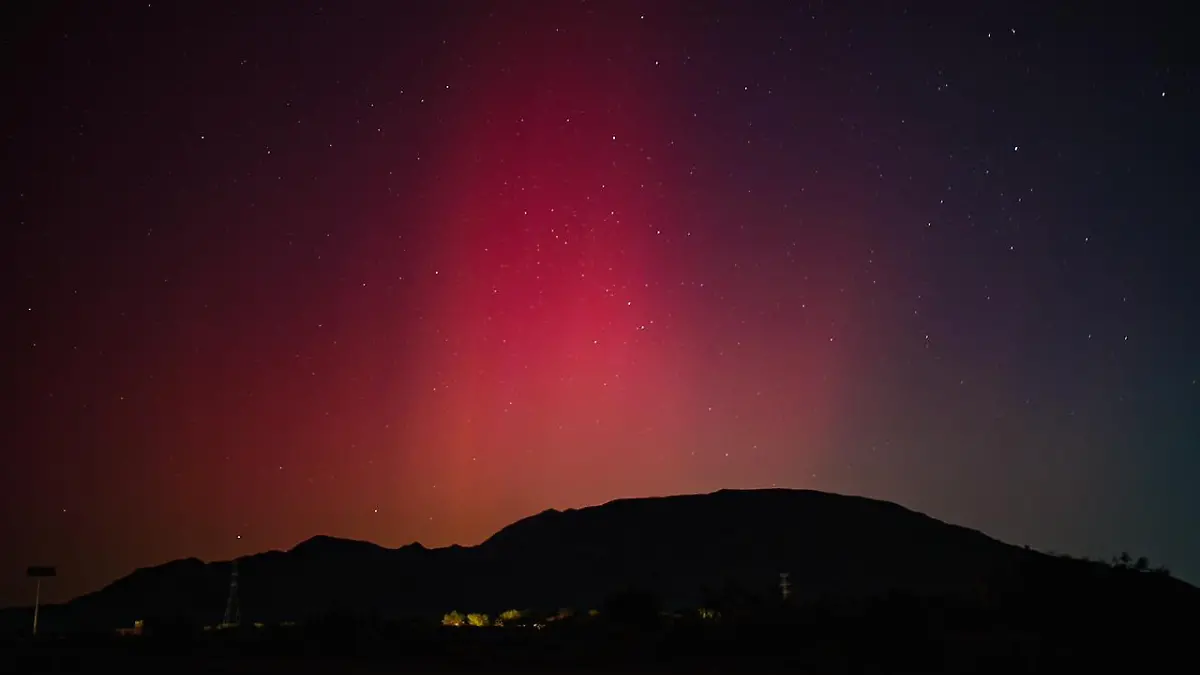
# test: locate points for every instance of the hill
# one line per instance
(685, 550)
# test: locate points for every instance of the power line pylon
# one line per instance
(233, 608)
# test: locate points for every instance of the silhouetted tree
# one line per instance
(1141, 564)
(512, 617)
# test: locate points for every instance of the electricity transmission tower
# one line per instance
(233, 609)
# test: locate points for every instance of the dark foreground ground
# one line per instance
(898, 644)
(1057, 622)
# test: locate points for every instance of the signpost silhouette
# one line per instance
(39, 573)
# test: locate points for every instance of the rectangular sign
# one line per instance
(42, 572)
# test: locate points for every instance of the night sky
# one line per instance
(411, 271)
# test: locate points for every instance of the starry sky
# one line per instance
(411, 271)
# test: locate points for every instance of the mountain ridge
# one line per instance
(682, 548)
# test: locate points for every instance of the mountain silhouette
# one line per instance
(683, 549)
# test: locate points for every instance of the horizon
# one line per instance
(455, 545)
(409, 272)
